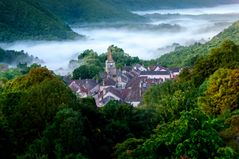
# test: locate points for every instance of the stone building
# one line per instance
(110, 67)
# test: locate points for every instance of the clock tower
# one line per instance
(110, 67)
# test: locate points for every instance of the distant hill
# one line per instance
(78, 11)
(156, 4)
(11, 57)
(186, 56)
(26, 19)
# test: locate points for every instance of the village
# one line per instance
(127, 84)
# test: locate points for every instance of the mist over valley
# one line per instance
(148, 39)
(119, 79)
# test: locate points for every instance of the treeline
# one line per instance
(184, 56)
(198, 112)
(90, 63)
(49, 20)
(12, 57)
(25, 19)
(88, 11)
(15, 63)
(41, 118)
(194, 116)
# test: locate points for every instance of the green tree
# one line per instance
(124, 150)
(190, 136)
(86, 72)
(230, 133)
(222, 93)
(226, 56)
(29, 104)
(170, 98)
(61, 139)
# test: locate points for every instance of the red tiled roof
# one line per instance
(114, 91)
(109, 82)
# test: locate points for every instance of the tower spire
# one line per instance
(109, 57)
(110, 68)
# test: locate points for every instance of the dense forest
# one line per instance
(18, 17)
(12, 57)
(194, 116)
(86, 11)
(48, 20)
(26, 19)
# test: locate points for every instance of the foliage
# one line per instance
(194, 116)
(9, 74)
(222, 93)
(190, 136)
(184, 130)
(92, 63)
(18, 22)
(86, 72)
(30, 102)
(15, 57)
(63, 138)
(124, 121)
(170, 98)
(230, 134)
(226, 56)
(121, 58)
(187, 56)
(124, 150)
(88, 11)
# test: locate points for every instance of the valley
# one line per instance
(147, 40)
(119, 79)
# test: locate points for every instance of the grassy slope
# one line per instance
(186, 56)
(76, 11)
(25, 19)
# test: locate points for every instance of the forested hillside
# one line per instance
(198, 112)
(186, 56)
(11, 57)
(194, 116)
(78, 11)
(26, 19)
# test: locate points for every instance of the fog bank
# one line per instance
(146, 40)
(221, 9)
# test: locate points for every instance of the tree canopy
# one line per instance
(190, 117)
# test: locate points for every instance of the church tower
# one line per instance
(110, 68)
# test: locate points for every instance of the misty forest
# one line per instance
(119, 79)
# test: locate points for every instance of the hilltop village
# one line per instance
(127, 84)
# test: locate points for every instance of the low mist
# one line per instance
(145, 40)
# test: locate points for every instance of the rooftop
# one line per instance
(155, 73)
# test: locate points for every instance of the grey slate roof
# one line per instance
(114, 91)
(155, 73)
(127, 68)
(109, 82)
(133, 90)
(87, 83)
(174, 69)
